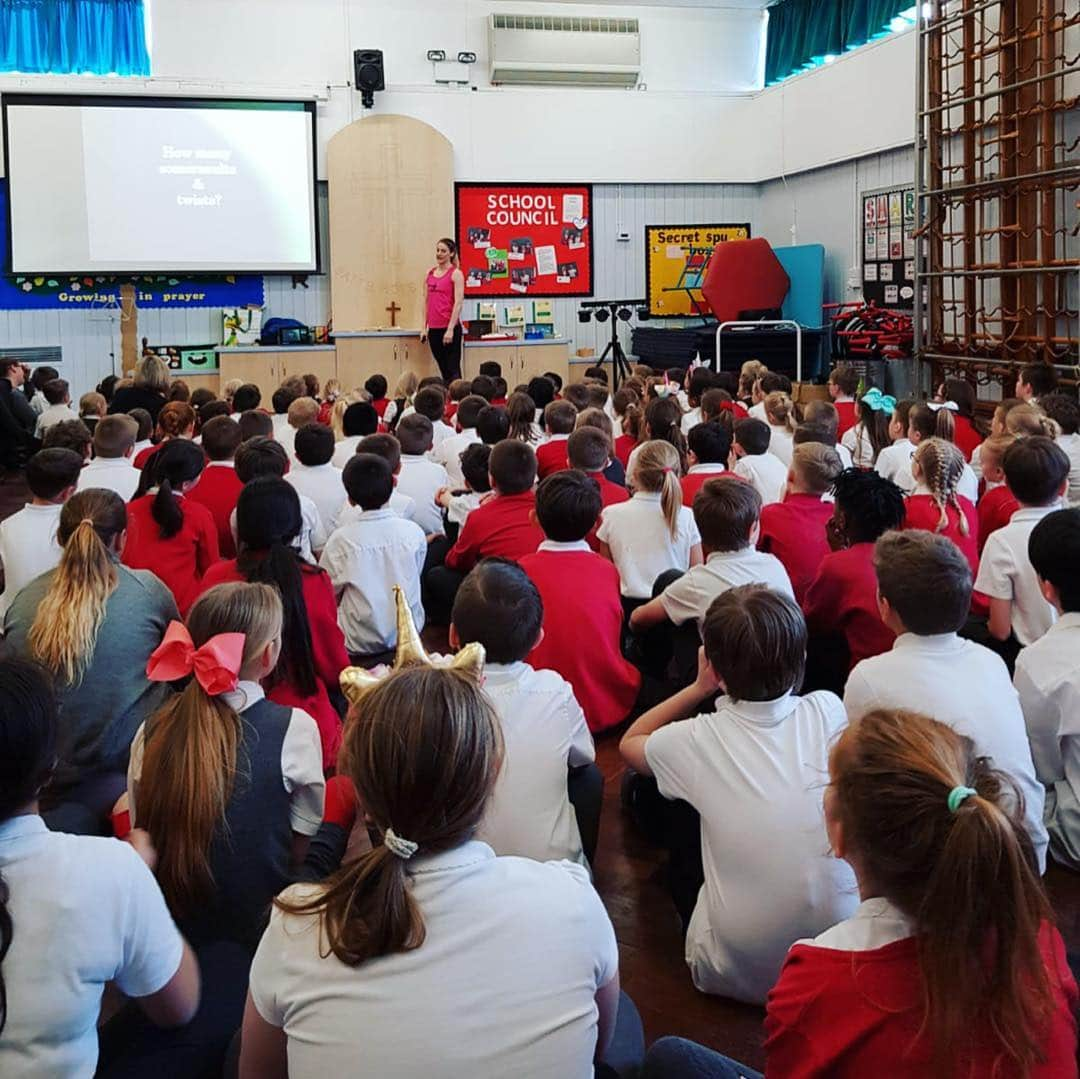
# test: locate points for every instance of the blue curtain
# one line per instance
(802, 32)
(62, 37)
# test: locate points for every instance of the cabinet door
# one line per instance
(415, 355)
(506, 355)
(358, 358)
(321, 364)
(262, 369)
(536, 359)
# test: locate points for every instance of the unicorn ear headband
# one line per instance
(356, 681)
(877, 401)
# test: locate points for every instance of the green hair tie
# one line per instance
(958, 796)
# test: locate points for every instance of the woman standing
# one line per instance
(444, 287)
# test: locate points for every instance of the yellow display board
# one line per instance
(676, 258)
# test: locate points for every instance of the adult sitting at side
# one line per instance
(150, 389)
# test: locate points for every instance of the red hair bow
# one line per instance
(216, 665)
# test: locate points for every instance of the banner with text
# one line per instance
(525, 239)
(676, 258)
(67, 292)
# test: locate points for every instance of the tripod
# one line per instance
(620, 365)
(618, 311)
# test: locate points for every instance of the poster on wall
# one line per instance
(888, 270)
(525, 239)
(74, 292)
(676, 258)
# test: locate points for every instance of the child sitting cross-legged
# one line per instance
(604, 682)
(924, 594)
(794, 530)
(370, 554)
(727, 513)
(754, 463)
(753, 771)
(543, 727)
(708, 450)
(1037, 472)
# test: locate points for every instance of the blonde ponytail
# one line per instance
(64, 632)
(1030, 420)
(656, 470)
(780, 411)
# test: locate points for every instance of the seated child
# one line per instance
(168, 533)
(794, 530)
(403, 400)
(998, 503)
(716, 401)
(925, 422)
(367, 556)
(420, 479)
(314, 474)
(246, 398)
(843, 386)
(960, 392)
(954, 931)
(475, 466)
(588, 450)
(358, 421)
(69, 435)
(1048, 681)
(576, 394)
(521, 412)
(28, 543)
(264, 456)
(543, 727)
(1037, 472)
(493, 425)
(766, 383)
(114, 447)
(997, 428)
(175, 421)
(604, 682)
(377, 386)
(146, 428)
(935, 505)
(726, 512)
(895, 458)
(313, 653)
(753, 462)
(219, 486)
(1035, 381)
(302, 411)
(457, 391)
(389, 449)
(226, 847)
(551, 455)
(502, 391)
(780, 416)
(841, 602)
(870, 435)
(92, 407)
(652, 531)
(630, 417)
(281, 399)
(708, 450)
(503, 526)
(822, 416)
(448, 451)
(924, 595)
(698, 382)
(58, 396)
(753, 770)
(1065, 412)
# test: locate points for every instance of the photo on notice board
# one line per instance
(525, 239)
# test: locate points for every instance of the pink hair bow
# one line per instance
(216, 665)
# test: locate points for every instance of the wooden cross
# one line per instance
(393, 309)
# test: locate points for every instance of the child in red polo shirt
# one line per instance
(960, 392)
(935, 506)
(630, 414)
(168, 534)
(841, 603)
(709, 448)
(582, 607)
(175, 420)
(794, 529)
(377, 386)
(559, 420)
(843, 385)
(998, 504)
(219, 486)
(589, 451)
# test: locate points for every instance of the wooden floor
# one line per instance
(629, 876)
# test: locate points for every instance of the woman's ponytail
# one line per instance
(65, 628)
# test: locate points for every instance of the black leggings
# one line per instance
(448, 357)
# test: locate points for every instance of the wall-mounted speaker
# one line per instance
(368, 74)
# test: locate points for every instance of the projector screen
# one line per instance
(155, 185)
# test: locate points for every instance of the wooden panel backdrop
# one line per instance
(391, 198)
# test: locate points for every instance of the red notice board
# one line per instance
(525, 239)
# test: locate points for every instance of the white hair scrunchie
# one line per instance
(403, 848)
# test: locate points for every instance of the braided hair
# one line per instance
(870, 504)
(941, 464)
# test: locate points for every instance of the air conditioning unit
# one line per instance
(554, 50)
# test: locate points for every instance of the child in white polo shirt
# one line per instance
(924, 595)
(448, 451)
(754, 463)
(727, 512)
(543, 726)
(371, 553)
(315, 476)
(754, 770)
(1065, 412)
(1037, 472)
(1048, 681)
(420, 478)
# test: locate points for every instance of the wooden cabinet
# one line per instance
(267, 368)
(391, 355)
(520, 361)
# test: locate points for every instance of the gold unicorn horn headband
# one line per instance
(356, 681)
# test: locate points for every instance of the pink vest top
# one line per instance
(440, 298)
